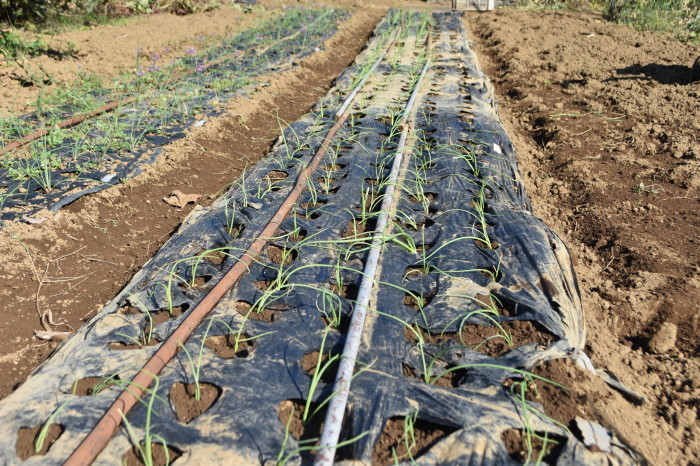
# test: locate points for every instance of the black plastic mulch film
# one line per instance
(452, 273)
(66, 173)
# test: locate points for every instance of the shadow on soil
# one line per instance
(663, 74)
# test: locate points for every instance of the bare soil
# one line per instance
(158, 456)
(605, 123)
(393, 439)
(108, 51)
(26, 440)
(183, 398)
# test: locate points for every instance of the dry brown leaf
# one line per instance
(179, 199)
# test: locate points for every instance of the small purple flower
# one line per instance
(191, 50)
(200, 38)
(155, 56)
(140, 72)
(303, 30)
(259, 37)
(167, 49)
(199, 68)
(153, 67)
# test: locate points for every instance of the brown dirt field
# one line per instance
(111, 50)
(606, 128)
(594, 111)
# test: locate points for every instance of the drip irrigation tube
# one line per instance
(76, 120)
(16, 144)
(336, 409)
(98, 437)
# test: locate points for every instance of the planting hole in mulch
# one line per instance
(224, 346)
(215, 257)
(265, 315)
(326, 183)
(151, 319)
(439, 376)
(275, 175)
(359, 231)
(294, 409)
(164, 315)
(488, 245)
(89, 386)
(290, 413)
(308, 214)
(413, 271)
(430, 197)
(119, 346)
(347, 291)
(331, 167)
(236, 231)
(297, 235)
(277, 255)
(371, 204)
(487, 339)
(198, 282)
(393, 439)
(184, 402)
(344, 325)
(176, 312)
(158, 456)
(312, 205)
(418, 301)
(492, 273)
(419, 225)
(26, 440)
(515, 441)
(310, 361)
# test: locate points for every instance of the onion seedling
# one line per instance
(145, 448)
(44, 432)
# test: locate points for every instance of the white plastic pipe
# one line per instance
(336, 409)
(354, 92)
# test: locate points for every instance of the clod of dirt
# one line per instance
(158, 456)
(516, 444)
(664, 340)
(26, 440)
(184, 402)
(392, 440)
(224, 346)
